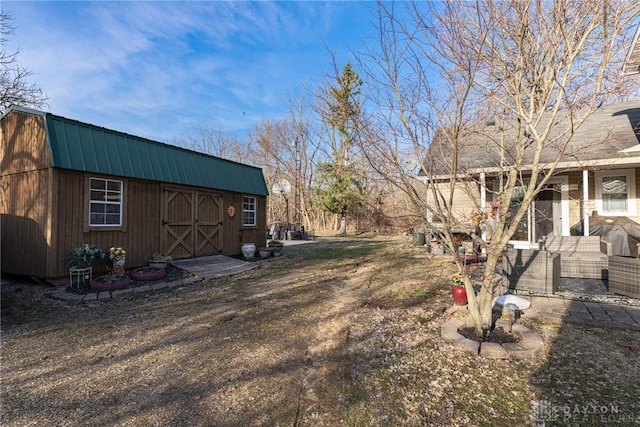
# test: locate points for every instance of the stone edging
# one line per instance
(62, 294)
(530, 345)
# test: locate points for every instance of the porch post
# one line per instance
(585, 202)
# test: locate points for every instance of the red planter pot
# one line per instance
(146, 274)
(459, 295)
(107, 283)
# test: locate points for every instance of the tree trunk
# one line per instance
(343, 225)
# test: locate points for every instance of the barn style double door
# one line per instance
(192, 223)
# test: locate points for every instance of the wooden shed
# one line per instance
(65, 183)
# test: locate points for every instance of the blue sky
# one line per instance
(161, 69)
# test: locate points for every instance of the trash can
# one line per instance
(419, 239)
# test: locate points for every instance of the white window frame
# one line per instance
(110, 198)
(630, 176)
(249, 208)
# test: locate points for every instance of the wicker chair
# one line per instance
(584, 257)
(624, 276)
(531, 270)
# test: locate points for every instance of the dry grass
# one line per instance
(342, 332)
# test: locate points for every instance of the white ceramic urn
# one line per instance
(248, 250)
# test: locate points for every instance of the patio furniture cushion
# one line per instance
(580, 256)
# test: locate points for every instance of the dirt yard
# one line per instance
(338, 332)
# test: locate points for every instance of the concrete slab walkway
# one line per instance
(550, 308)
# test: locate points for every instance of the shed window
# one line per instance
(249, 211)
(105, 202)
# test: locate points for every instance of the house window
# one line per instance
(105, 202)
(615, 192)
(249, 211)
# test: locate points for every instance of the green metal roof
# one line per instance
(88, 148)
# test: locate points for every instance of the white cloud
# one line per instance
(155, 69)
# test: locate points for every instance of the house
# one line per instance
(599, 177)
(65, 183)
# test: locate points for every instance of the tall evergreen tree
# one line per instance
(339, 191)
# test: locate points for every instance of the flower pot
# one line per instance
(265, 252)
(459, 295)
(118, 266)
(145, 274)
(248, 250)
(110, 283)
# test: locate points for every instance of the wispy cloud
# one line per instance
(159, 69)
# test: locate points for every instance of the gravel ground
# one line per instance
(341, 332)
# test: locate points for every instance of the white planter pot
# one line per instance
(248, 250)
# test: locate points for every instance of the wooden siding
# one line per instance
(235, 234)
(24, 203)
(45, 210)
(24, 223)
(23, 147)
(144, 210)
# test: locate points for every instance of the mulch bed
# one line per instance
(172, 274)
(497, 335)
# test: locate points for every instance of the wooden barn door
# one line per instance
(192, 223)
(208, 224)
(178, 222)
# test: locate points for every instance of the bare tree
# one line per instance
(215, 141)
(14, 86)
(442, 71)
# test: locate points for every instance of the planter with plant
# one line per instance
(458, 291)
(80, 260)
(118, 256)
(82, 256)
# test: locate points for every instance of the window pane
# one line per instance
(112, 219)
(97, 195)
(96, 219)
(98, 184)
(614, 193)
(614, 202)
(114, 186)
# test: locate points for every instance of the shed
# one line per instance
(65, 183)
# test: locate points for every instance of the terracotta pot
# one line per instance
(459, 295)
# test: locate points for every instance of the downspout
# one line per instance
(585, 202)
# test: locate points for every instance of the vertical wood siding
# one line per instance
(44, 210)
(24, 160)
